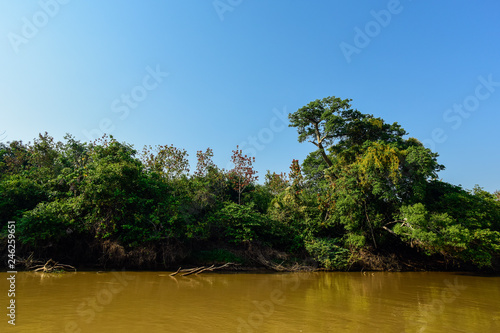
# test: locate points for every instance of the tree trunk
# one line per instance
(325, 157)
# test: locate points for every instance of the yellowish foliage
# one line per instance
(380, 159)
(376, 122)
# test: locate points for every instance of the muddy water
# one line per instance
(306, 302)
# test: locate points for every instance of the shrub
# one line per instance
(328, 253)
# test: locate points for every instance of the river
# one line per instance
(124, 301)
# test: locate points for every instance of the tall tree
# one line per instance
(243, 172)
(337, 130)
(314, 122)
(363, 169)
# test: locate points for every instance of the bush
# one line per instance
(328, 253)
(440, 233)
(17, 195)
(48, 222)
(239, 223)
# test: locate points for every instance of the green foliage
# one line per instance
(168, 161)
(476, 208)
(314, 121)
(440, 233)
(13, 158)
(259, 196)
(276, 183)
(125, 202)
(294, 217)
(294, 209)
(328, 252)
(49, 222)
(238, 223)
(332, 125)
(366, 173)
(17, 195)
(363, 185)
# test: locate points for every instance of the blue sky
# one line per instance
(217, 74)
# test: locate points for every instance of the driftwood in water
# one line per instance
(53, 266)
(29, 262)
(199, 270)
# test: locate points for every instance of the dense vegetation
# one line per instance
(365, 197)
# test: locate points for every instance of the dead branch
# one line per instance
(174, 274)
(52, 266)
(29, 262)
(199, 270)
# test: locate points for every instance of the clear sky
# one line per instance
(217, 74)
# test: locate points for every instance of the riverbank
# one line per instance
(249, 258)
(378, 207)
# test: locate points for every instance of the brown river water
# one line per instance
(125, 301)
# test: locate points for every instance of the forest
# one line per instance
(367, 197)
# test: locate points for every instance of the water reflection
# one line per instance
(295, 302)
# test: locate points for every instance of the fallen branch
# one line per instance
(199, 270)
(267, 263)
(194, 270)
(212, 268)
(174, 274)
(52, 266)
(30, 262)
